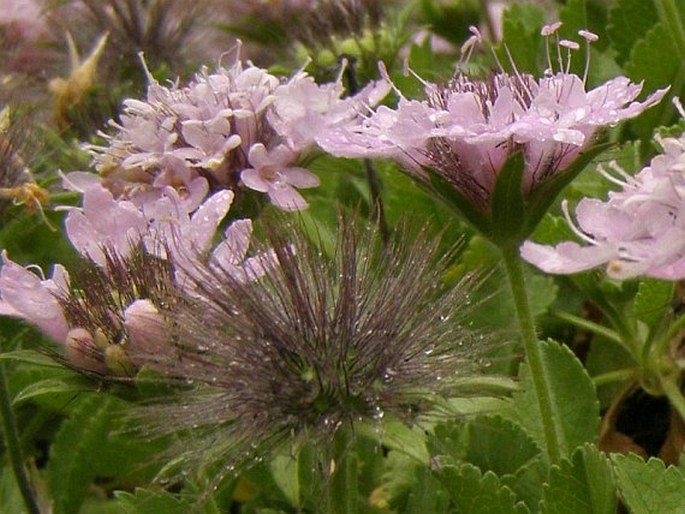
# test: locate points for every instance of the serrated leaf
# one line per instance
(629, 21)
(583, 485)
(657, 62)
(478, 493)
(74, 452)
(652, 301)
(152, 502)
(649, 487)
(527, 482)
(499, 445)
(574, 402)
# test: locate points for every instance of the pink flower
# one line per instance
(104, 221)
(27, 296)
(639, 230)
(302, 110)
(204, 136)
(271, 173)
(467, 129)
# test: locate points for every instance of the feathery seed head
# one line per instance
(318, 343)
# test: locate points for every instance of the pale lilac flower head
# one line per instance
(467, 129)
(237, 126)
(639, 230)
(104, 226)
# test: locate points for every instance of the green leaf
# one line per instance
(409, 488)
(521, 24)
(398, 436)
(573, 15)
(152, 502)
(528, 480)
(284, 472)
(583, 485)
(498, 445)
(507, 202)
(649, 487)
(30, 356)
(629, 21)
(52, 386)
(652, 301)
(657, 61)
(478, 493)
(574, 402)
(74, 453)
(10, 495)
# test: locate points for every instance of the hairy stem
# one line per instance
(590, 326)
(533, 351)
(674, 394)
(9, 429)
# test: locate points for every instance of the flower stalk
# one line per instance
(13, 446)
(533, 351)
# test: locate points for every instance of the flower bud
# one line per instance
(147, 332)
(118, 361)
(82, 351)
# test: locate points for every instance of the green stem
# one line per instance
(9, 429)
(675, 396)
(533, 351)
(676, 326)
(620, 375)
(590, 326)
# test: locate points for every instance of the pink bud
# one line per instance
(82, 351)
(148, 337)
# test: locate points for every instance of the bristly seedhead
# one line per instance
(164, 29)
(318, 344)
(328, 20)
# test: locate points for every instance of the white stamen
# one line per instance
(548, 30)
(588, 36)
(567, 43)
(678, 105)
(573, 226)
(386, 76)
(614, 180)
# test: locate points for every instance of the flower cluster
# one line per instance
(237, 125)
(466, 130)
(639, 230)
